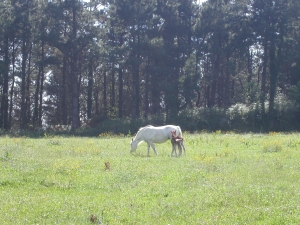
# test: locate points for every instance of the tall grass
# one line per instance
(223, 179)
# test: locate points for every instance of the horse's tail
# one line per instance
(180, 134)
(179, 131)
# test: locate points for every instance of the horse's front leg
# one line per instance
(153, 147)
(173, 148)
(148, 149)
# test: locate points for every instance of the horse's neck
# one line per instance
(137, 140)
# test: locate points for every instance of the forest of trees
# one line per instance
(233, 62)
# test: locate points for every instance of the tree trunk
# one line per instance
(105, 94)
(65, 106)
(120, 92)
(4, 101)
(146, 97)
(215, 75)
(250, 96)
(263, 83)
(227, 85)
(90, 90)
(135, 81)
(28, 82)
(12, 85)
(75, 96)
(23, 84)
(155, 91)
(35, 118)
(74, 75)
(135, 94)
(213, 92)
(220, 90)
(96, 99)
(275, 60)
(113, 84)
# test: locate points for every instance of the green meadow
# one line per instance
(223, 179)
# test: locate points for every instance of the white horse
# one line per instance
(151, 134)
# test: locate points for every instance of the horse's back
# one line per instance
(159, 134)
(170, 128)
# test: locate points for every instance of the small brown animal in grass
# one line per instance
(107, 166)
(93, 219)
(177, 141)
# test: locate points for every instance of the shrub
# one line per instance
(242, 117)
(118, 126)
(239, 117)
(245, 117)
(210, 119)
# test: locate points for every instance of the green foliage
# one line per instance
(118, 126)
(65, 61)
(224, 179)
(243, 117)
(240, 117)
(295, 94)
(201, 119)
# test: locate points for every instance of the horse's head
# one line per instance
(133, 145)
(173, 133)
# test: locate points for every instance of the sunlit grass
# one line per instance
(225, 178)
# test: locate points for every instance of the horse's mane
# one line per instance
(141, 129)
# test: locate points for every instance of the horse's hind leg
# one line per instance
(182, 145)
(179, 148)
(173, 149)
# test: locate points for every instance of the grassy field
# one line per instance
(223, 179)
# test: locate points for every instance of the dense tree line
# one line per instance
(69, 61)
